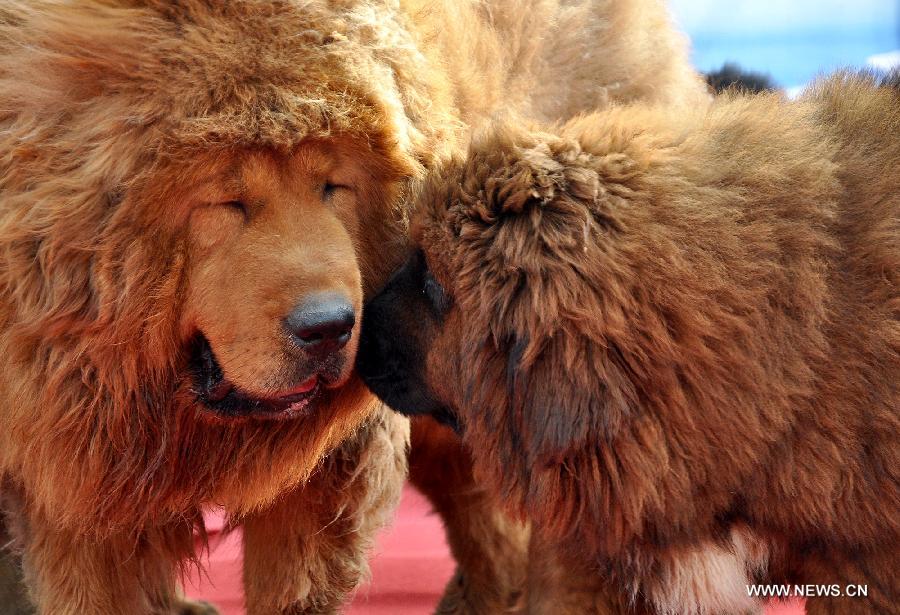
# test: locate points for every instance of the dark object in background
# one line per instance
(731, 75)
(892, 79)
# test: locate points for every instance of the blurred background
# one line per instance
(791, 41)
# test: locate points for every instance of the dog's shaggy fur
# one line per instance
(672, 341)
(174, 178)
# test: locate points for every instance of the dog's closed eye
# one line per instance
(437, 297)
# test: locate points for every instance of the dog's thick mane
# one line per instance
(100, 101)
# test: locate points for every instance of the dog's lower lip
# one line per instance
(223, 397)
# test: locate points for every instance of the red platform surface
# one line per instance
(410, 567)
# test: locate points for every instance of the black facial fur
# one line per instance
(398, 325)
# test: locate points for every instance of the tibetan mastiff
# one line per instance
(671, 340)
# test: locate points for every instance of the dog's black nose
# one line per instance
(322, 324)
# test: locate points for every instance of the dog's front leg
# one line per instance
(490, 548)
(308, 552)
(68, 573)
(560, 584)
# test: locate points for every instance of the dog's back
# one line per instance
(800, 202)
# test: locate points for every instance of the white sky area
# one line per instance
(755, 17)
(885, 61)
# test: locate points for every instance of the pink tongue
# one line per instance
(304, 387)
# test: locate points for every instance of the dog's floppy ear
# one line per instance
(548, 216)
(540, 218)
(564, 395)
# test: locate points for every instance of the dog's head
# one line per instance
(496, 322)
(210, 190)
(196, 198)
(273, 287)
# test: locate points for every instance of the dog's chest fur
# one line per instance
(710, 577)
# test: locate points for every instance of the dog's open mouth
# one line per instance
(222, 397)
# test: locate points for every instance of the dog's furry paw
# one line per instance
(461, 599)
(190, 607)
